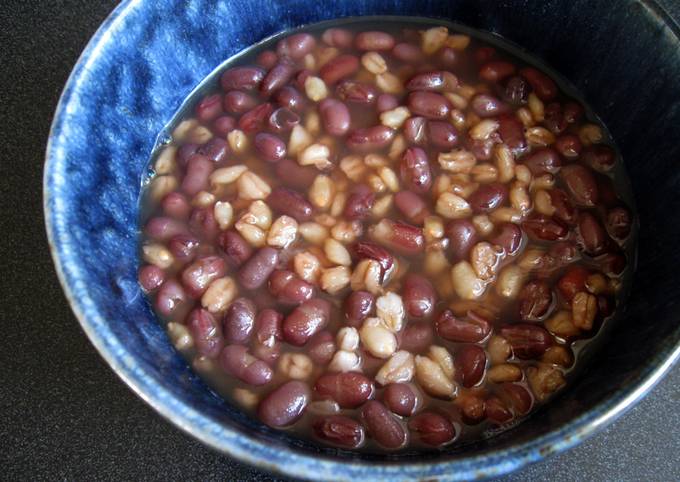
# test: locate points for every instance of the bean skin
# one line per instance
(400, 399)
(496, 411)
(416, 130)
(383, 426)
(236, 361)
(356, 92)
(418, 295)
(619, 222)
(470, 364)
(288, 96)
(517, 397)
(239, 320)
(245, 78)
(462, 237)
(359, 202)
(573, 281)
(367, 249)
(442, 134)
(433, 81)
(305, 320)
(528, 341)
(432, 428)
(508, 237)
(593, 235)
(416, 337)
(321, 347)
(486, 105)
(288, 288)
(209, 108)
(407, 52)
(349, 389)
(216, 149)
(223, 125)
(374, 41)
(256, 118)
(511, 131)
(564, 210)
(415, 170)
(601, 158)
(197, 276)
(294, 175)
(267, 59)
(334, 116)
(176, 205)
(206, 333)
(338, 68)
(339, 430)
(581, 184)
(496, 70)
(268, 334)
(370, 138)
(535, 301)
(357, 307)
(569, 146)
(270, 147)
(202, 223)
(171, 298)
(290, 202)
(151, 277)
(488, 197)
(238, 102)
(546, 228)
(257, 269)
(428, 104)
(338, 37)
(516, 91)
(543, 85)
(543, 160)
(283, 119)
(295, 46)
(284, 405)
(199, 169)
(386, 102)
(411, 206)
(473, 329)
(236, 249)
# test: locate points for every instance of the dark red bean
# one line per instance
(543, 85)
(462, 237)
(442, 134)
(400, 399)
(338, 37)
(195, 180)
(418, 295)
(184, 247)
(176, 205)
(572, 282)
(496, 411)
(294, 175)
(568, 145)
(509, 237)
(357, 307)
(277, 77)
(338, 68)
(216, 149)
(374, 40)
(564, 210)
(339, 430)
(408, 53)
(543, 160)
(206, 333)
(434, 81)
(295, 46)
(612, 264)
(367, 249)
(404, 238)
(554, 118)
(257, 269)
(383, 426)
(268, 333)
(415, 130)
(415, 170)
(290, 202)
(483, 55)
(163, 228)
(496, 70)
(288, 288)
(239, 320)
(171, 298)
(284, 405)
(305, 320)
(511, 131)
(267, 59)
(202, 223)
(246, 78)
(535, 301)
(486, 105)
(600, 158)
(288, 96)
(236, 361)
(482, 149)
(386, 102)
(238, 102)
(197, 276)
(516, 91)
(270, 147)
(593, 235)
(356, 92)
(528, 341)
(256, 118)
(546, 228)
(573, 112)
(185, 152)
(432, 428)
(349, 389)
(209, 108)
(321, 347)
(411, 206)
(562, 253)
(223, 125)
(447, 58)
(151, 277)
(581, 184)
(488, 197)
(517, 397)
(472, 329)
(370, 138)
(236, 249)
(334, 117)
(283, 120)
(428, 104)
(416, 337)
(619, 222)
(359, 202)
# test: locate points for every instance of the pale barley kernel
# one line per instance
(374, 63)
(323, 407)
(584, 310)
(315, 88)
(313, 126)
(544, 380)
(558, 355)
(347, 231)
(532, 258)
(299, 140)
(457, 161)
(390, 178)
(543, 202)
(504, 372)
(441, 184)
(309, 62)
(465, 281)
(199, 135)
(377, 338)
(458, 119)
(238, 141)
(539, 136)
(297, 366)
(376, 160)
(227, 175)
(452, 206)
(161, 186)
(376, 183)
(183, 129)
(321, 192)
(336, 279)
(397, 147)
(466, 91)
(307, 266)
(258, 214)
(389, 83)
(345, 361)
(398, 369)
(436, 261)
(433, 228)
(562, 324)
(510, 281)
(506, 215)
(313, 232)
(204, 365)
(366, 276)
(485, 259)
(457, 101)
(433, 39)
(165, 162)
(338, 204)
(179, 336)
(462, 186)
(484, 173)
(590, 134)
(499, 349)
(245, 397)
(536, 107)
(483, 224)
(219, 295)
(158, 255)
(325, 219)
(443, 358)
(596, 283)
(519, 197)
(347, 338)
(382, 206)
(505, 162)
(315, 154)
(523, 174)
(252, 187)
(254, 235)
(395, 118)
(224, 214)
(544, 181)
(390, 309)
(432, 379)
(458, 41)
(525, 117)
(283, 232)
(336, 252)
(353, 167)
(483, 129)
(326, 54)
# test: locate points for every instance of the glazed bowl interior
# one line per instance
(149, 55)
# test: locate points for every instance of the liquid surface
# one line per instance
(386, 240)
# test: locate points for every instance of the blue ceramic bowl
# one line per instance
(149, 55)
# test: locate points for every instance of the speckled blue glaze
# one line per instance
(148, 56)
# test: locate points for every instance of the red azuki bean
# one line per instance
(209, 108)
(267, 332)
(411, 206)
(223, 125)
(400, 399)
(238, 102)
(386, 102)
(517, 397)
(338, 68)
(348, 389)
(592, 234)
(428, 104)
(197, 276)
(284, 405)
(432, 428)
(367, 249)
(516, 91)
(338, 37)
(206, 333)
(277, 77)
(151, 277)
(546, 228)
(216, 149)
(496, 411)
(288, 96)
(246, 78)
(383, 426)
(236, 249)
(270, 147)
(442, 134)
(564, 210)
(572, 282)
(486, 105)
(600, 158)
(496, 70)
(163, 228)
(256, 118)
(370, 138)
(511, 131)
(374, 40)
(339, 430)
(184, 247)
(568, 145)
(535, 301)
(573, 112)
(288, 288)
(256, 270)
(239, 320)
(419, 296)
(321, 347)
(185, 152)
(267, 59)
(171, 297)
(462, 237)
(612, 263)
(488, 197)
(562, 253)
(619, 222)
(416, 337)
(473, 329)
(581, 184)
(202, 223)
(176, 205)
(295, 46)
(543, 85)
(305, 320)
(482, 149)
(407, 52)
(435, 81)
(195, 180)
(415, 130)
(334, 117)
(357, 307)
(405, 238)
(543, 160)
(528, 341)
(509, 237)
(482, 55)
(356, 92)
(554, 118)
(415, 170)
(359, 202)
(283, 120)
(236, 361)
(291, 202)
(472, 408)
(294, 175)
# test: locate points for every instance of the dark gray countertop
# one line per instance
(63, 413)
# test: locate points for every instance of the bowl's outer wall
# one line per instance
(149, 56)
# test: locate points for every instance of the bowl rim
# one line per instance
(239, 445)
